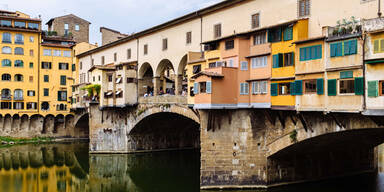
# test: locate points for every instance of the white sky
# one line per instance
(126, 16)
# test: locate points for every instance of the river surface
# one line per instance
(69, 167)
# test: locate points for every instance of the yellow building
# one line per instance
(282, 38)
(20, 40)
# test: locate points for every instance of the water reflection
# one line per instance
(69, 167)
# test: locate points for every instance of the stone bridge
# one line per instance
(243, 147)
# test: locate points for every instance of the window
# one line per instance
(203, 87)
(115, 57)
(259, 87)
(255, 20)
(230, 44)
(19, 39)
(284, 88)
(66, 26)
(196, 69)
(81, 65)
(7, 38)
(110, 78)
(67, 53)
(304, 8)
(19, 63)
(47, 52)
(274, 35)
(310, 86)
(259, 38)
(165, 44)
(145, 49)
(31, 93)
(63, 66)
(31, 65)
(311, 53)
(347, 86)
(31, 52)
(19, 78)
(288, 33)
(350, 47)
(73, 67)
(189, 37)
(19, 51)
(6, 63)
(77, 27)
(57, 53)
(102, 60)
(20, 24)
(18, 94)
(258, 62)
(31, 105)
(289, 59)
(31, 39)
(6, 50)
(278, 60)
(119, 94)
(131, 80)
(344, 48)
(244, 88)
(378, 46)
(18, 105)
(217, 31)
(5, 93)
(230, 63)
(31, 79)
(129, 54)
(46, 78)
(381, 88)
(62, 95)
(33, 25)
(6, 105)
(45, 106)
(6, 23)
(46, 92)
(244, 65)
(63, 80)
(46, 65)
(6, 77)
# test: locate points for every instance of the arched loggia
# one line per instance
(181, 79)
(165, 78)
(145, 81)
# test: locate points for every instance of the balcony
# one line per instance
(345, 29)
(18, 98)
(6, 97)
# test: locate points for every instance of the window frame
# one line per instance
(217, 30)
(255, 20)
(260, 38)
(280, 90)
(310, 91)
(339, 86)
(229, 44)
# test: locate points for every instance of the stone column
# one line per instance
(178, 84)
(156, 85)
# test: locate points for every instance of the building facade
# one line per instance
(70, 26)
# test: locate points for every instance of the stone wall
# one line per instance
(109, 35)
(79, 36)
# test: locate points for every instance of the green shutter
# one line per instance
(269, 36)
(339, 49)
(332, 87)
(279, 33)
(281, 60)
(353, 47)
(347, 45)
(274, 89)
(293, 87)
(209, 87)
(319, 52)
(373, 87)
(58, 95)
(346, 74)
(376, 46)
(333, 50)
(293, 59)
(276, 61)
(359, 86)
(63, 80)
(299, 87)
(382, 45)
(288, 34)
(320, 86)
(302, 56)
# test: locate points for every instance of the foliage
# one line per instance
(346, 26)
(92, 89)
(293, 136)
(9, 140)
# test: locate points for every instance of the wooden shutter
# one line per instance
(196, 88)
(292, 88)
(281, 60)
(353, 47)
(333, 50)
(288, 33)
(359, 86)
(373, 87)
(293, 59)
(59, 95)
(339, 49)
(346, 74)
(332, 90)
(382, 45)
(376, 46)
(347, 47)
(276, 61)
(274, 89)
(319, 52)
(269, 35)
(209, 87)
(302, 56)
(299, 87)
(320, 86)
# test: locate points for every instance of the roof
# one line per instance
(102, 67)
(7, 12)
(108, 29)
(58, 38)
(69, 15)
(309, 40)
(190, 16)
(209, 74)
(56, 45)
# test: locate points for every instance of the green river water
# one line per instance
(69, 167)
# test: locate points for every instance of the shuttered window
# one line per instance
(217, 31)
(311, 53)
(378, 46)
(196, 88)
(244, 88)
(289, 59)
(359, 86)
(350, 47)
(244, 65)
(373, 88)
(344, 48)
(320, 86)
(255, 20)
(274, 35)
(332, 84)
(63, 80)
(299, 87)
(276, 61)
(346, 74)
(288, 33)
(209, 87)
(274, 89)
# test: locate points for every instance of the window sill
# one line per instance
(348, 94)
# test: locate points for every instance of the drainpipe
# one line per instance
(137, 69)
(364, 72)
(38, 73)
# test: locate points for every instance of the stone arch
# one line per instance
(59, 123)
(7, 124)
(181, 76)
(145, 80)
(15, 127)
(81, 126)
(48, 124)
(69, 124)
(35, 124)
(165, 77)
(24, 124)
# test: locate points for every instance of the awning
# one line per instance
(118, 80)
(118, 92)
(85, 95)
(109, 93)
(374, 61)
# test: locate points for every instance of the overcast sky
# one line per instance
(126, 16)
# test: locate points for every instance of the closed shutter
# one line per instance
(376, 46)
(281, 60)
(353, 47)
(373, 88)
(196, 88)
(209, 87)
(320, 86)
(339, 49)
(293, 59)
(269, 36)
(59, 95)
(332, 87)
(275, 61)
(346, 74)
(63, 80)
(347, 47)
(333, 50)
(359, 86)
(299, 87)
(288, 34)
(382, 45)
(319, 52)
(292, 88)
(274, 89)
(302, 56)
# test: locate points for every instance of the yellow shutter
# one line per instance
(376, 46)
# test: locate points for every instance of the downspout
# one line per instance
(137, 70)
(364, 73)
(38, 73)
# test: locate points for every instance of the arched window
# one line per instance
(19, 63)
(6, 50)
(18, 95)
(6, 63)
(7, 38)
(5, 94)
(6, 77)
(19, 51)
(19, 39)
(45, 106)
(18, 77)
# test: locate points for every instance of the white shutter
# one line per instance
(196, 88)
(246, 88)
(209, 87)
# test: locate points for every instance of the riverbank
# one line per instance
(7, 141)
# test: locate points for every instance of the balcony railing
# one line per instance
(6, 97)
(18, 98)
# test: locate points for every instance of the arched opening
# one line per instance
(181, 77)
(145, 80)
(59, 123)
(165, 131)
(165, 78)
(48, 124)
(81, 129)
(24, 122)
